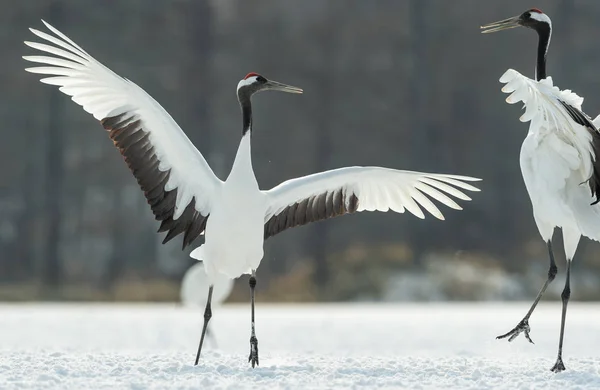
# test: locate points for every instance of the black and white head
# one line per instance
(253, 82)
(533, 18)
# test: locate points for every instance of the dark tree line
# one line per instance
(409, 85)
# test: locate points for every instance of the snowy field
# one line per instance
(406, 346)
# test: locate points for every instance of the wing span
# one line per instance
(347, 190)
(176, 179)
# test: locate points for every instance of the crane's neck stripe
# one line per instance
(246, 113)
(544, 33)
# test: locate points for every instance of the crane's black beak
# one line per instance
(275, 86)
(502, 25)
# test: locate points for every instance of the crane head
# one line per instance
(532, 18)
(253, 82)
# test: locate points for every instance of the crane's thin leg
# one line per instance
(566, 294)
(523, 326)
(207, 316)
(253, 358)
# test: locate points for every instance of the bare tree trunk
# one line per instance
(27, 242)
(418, 86)
(319, 233)
(198, 71)
(52, 268)
(26, 239)
(566, 10)
(119, 239)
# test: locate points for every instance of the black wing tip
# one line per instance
(175, 231)
(170, 236)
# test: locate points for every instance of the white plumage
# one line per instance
(235, 215)
(557, 159)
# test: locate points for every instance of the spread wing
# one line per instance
(557, 110)
(347, 190)
(176, 179)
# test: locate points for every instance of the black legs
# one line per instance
(566, 294)
(253, 358)
(523, 326)
(207, 316)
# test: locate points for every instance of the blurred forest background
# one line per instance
(405, 84)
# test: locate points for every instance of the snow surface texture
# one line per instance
(407, 346)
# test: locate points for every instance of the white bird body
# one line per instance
(556, 160)
(234, 231)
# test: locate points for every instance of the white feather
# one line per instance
(103, 93)
(376, 188)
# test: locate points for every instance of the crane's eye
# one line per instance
(526, 15)
(261, 79)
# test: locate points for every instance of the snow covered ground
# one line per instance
(357, 346)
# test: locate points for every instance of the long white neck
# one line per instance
(242, 171)
(242, 166)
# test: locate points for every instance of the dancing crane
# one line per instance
(559, 161)
(234, 215)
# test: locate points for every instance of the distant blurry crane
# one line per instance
(559, 160)
(183, 191)
(194, 284)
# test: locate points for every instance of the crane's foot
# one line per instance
(522, 327)
(559, 366)
(253, 358)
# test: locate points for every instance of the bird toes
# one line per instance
(559, 366)
(253, 358)
(522, 327)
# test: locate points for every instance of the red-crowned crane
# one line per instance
(235, 215)
(559, 161)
